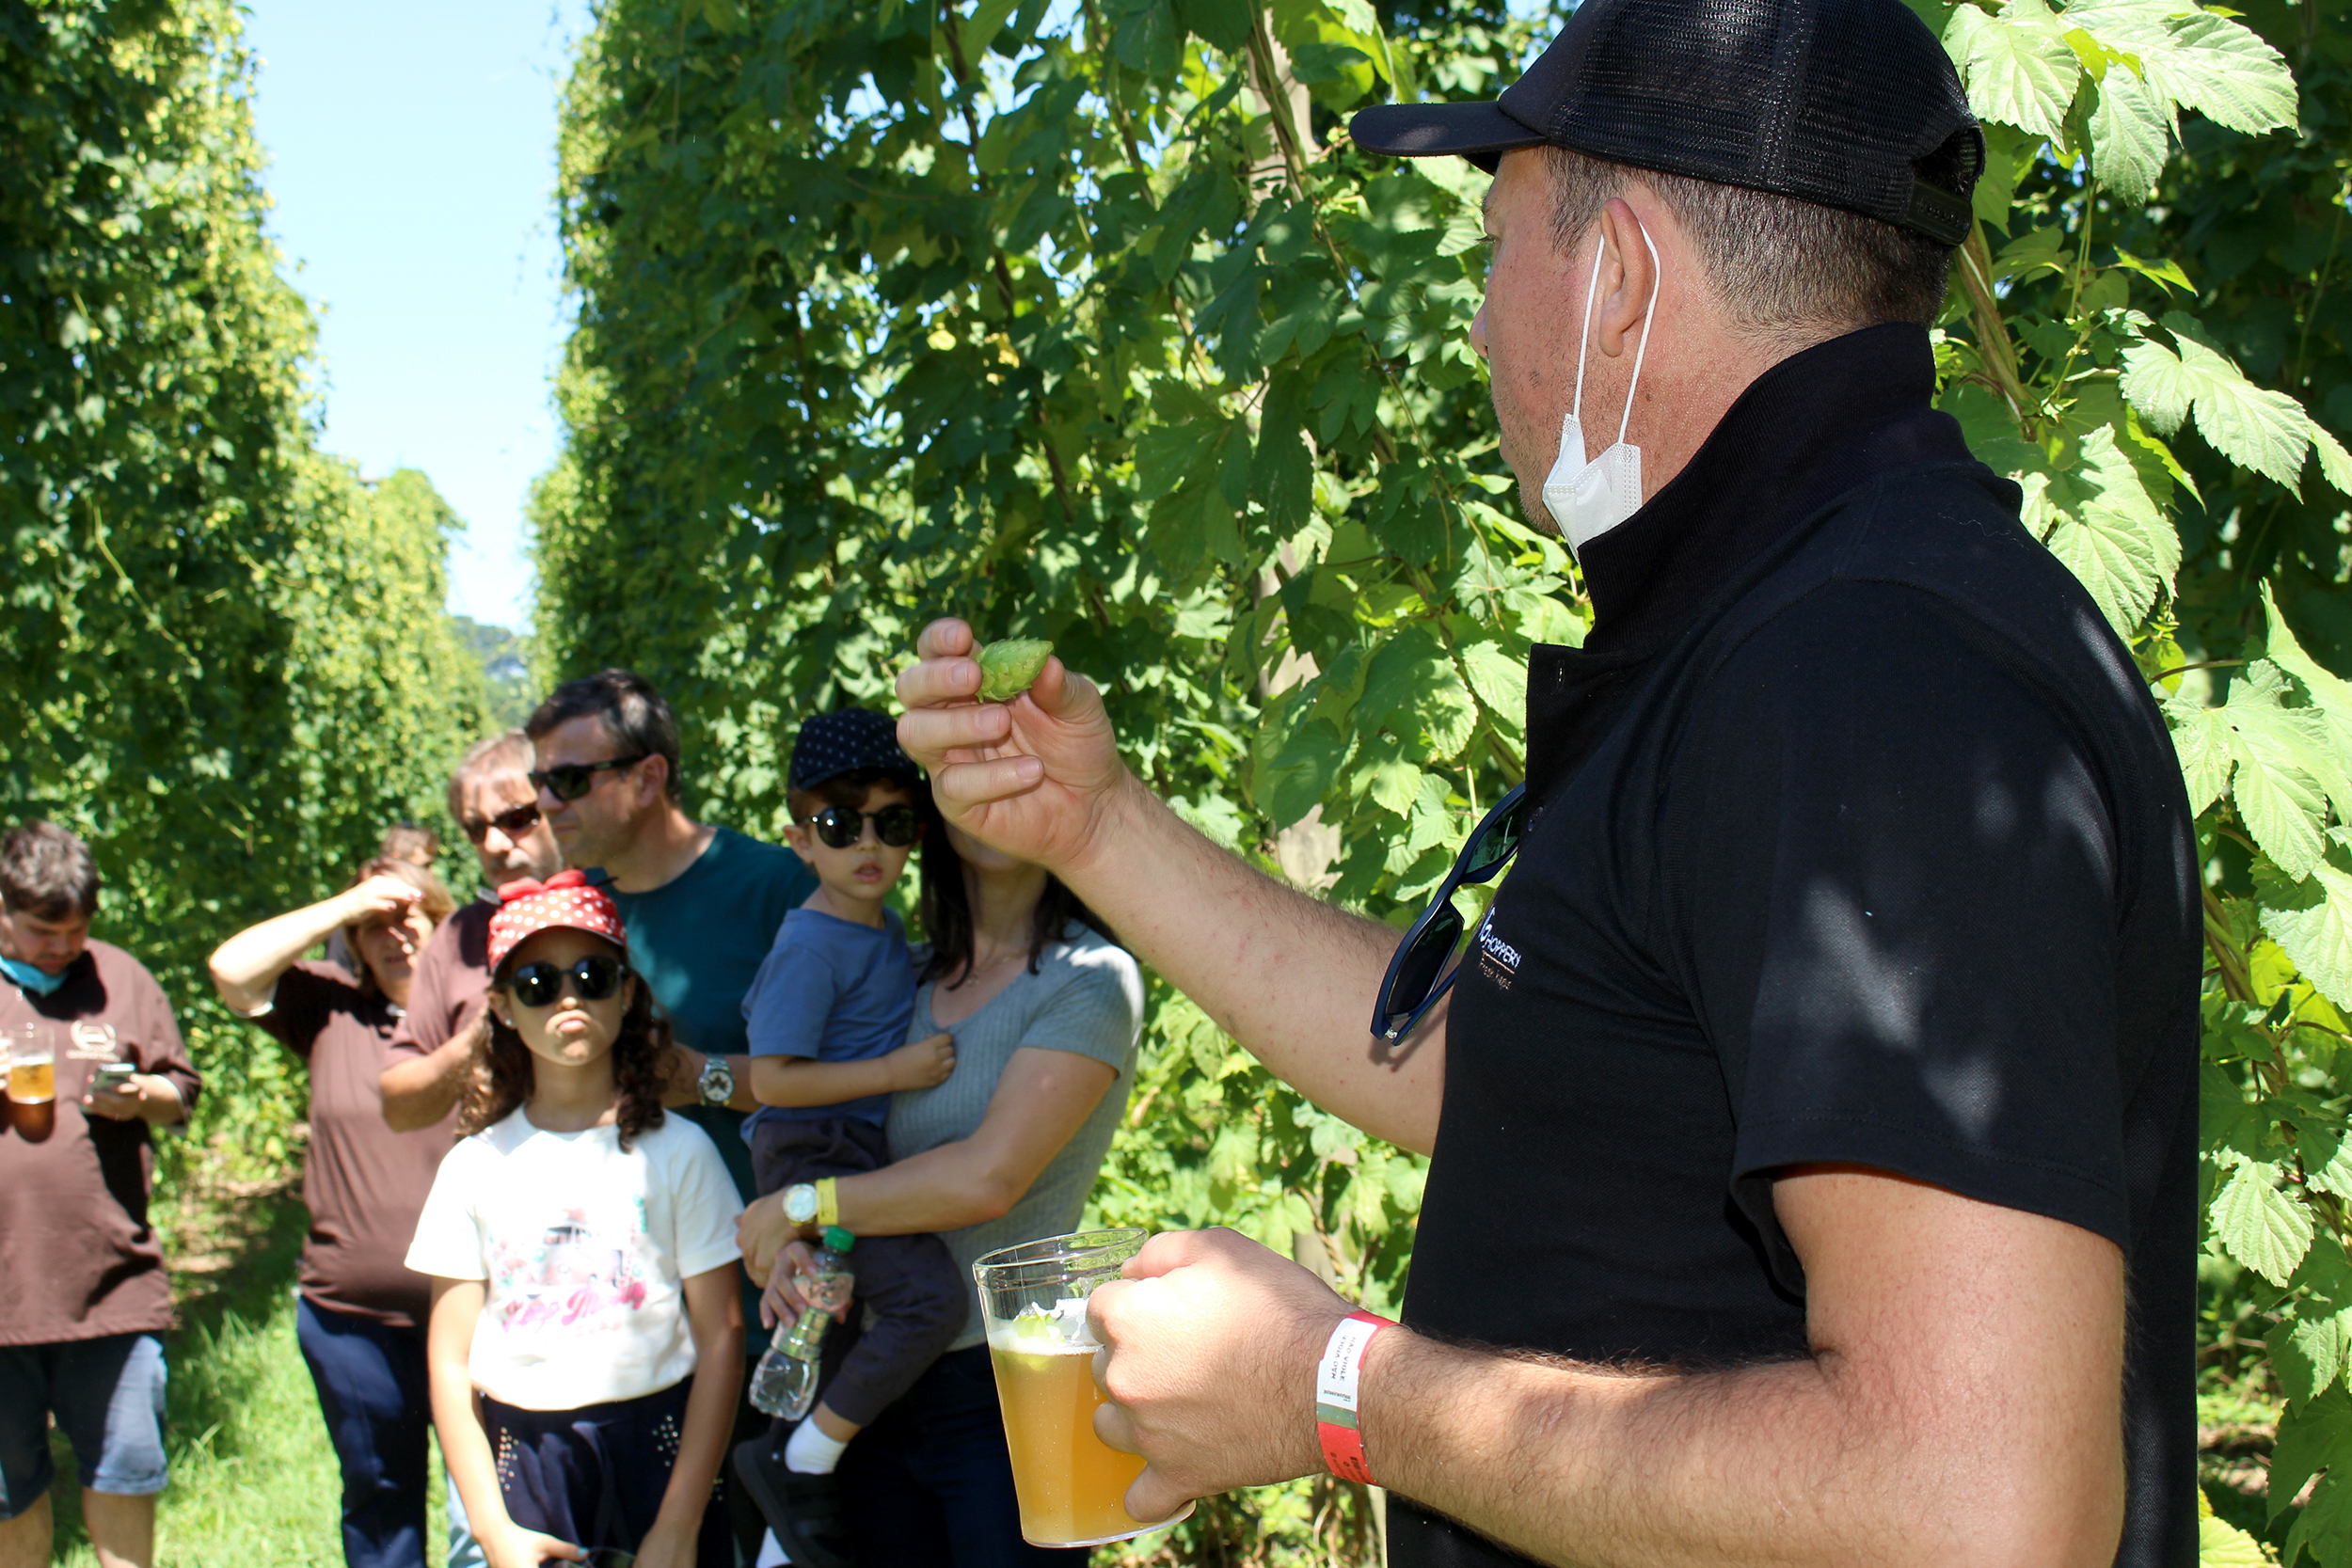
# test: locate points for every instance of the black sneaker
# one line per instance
(804, 1511)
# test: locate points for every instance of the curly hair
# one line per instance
(499, 1077)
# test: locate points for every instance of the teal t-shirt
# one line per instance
(699, 939)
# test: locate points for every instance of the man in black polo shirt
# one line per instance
(1813, 1120)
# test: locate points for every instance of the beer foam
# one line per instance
(1061, 1331)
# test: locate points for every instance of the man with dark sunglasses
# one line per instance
(701, 903)
(1814, 1115)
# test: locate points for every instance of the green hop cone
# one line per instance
(1037, 1325)
(1007, 668)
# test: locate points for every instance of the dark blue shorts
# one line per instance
(596, 1475)
(108, 1396)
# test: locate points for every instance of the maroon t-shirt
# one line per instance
(363, 1184)
(77, 1259)
(452, 982)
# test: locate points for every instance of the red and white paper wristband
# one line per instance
(1335, 1395)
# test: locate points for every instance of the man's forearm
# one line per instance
(1289, 977)
(420, 1090)
(1790, 1463)
(161, 1104)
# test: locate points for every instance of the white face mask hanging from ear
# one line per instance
(1587, 500)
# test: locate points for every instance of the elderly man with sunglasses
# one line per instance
(1813, 1115)
(491, 796)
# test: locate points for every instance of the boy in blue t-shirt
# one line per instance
(828, 1017)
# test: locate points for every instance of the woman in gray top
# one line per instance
(1045, 1009)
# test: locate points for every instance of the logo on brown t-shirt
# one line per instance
(92, 1042)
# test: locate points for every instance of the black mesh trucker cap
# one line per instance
(848, 740)
(1831, 100)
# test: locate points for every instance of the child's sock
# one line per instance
(812, 1452)
(770, 1552)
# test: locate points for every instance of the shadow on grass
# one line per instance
(235, 1249)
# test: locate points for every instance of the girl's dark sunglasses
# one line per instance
(514, 823)
(569, 781)
(1418, 975)
(593, 979)
(839, 827)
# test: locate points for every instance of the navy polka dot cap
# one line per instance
(848, 740)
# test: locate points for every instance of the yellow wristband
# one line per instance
(828, 1203)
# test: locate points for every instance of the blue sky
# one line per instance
(412, 154)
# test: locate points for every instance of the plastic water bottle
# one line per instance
(783, 1384)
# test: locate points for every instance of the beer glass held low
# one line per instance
(33, 1083)
(1072, 1487)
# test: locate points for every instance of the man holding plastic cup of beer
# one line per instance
(95, 1060)
(1812, 1111)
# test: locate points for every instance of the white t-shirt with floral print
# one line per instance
(583, 1247)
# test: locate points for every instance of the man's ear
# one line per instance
(1628, 276)
(653, 779)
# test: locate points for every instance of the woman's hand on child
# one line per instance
(786, 1296)
(924, 1065)
(517, 1548)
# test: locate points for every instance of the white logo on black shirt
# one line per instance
(1498, 960)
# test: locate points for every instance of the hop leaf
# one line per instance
(2131, 135)
(2278, 757)
(2222, 1545)
(2098, 519)
(2017, 66)
(2262, 1226)
(2320, 1344)
(2331, 706)
(2252, 426)
(2318, 937)
(2201, 61)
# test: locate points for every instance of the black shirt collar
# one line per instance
(1812, 427)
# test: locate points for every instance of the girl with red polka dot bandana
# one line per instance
(586, 1340)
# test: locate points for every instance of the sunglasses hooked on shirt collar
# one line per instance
(541, 985)
(839, 827)
(1419, 973)
(569, 781)
(513, 822)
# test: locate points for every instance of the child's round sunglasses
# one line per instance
(1418, 974)
(839, 827)
(538, 985)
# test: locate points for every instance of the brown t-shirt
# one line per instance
(77, 1259)
(363, 1182)
(450, 984)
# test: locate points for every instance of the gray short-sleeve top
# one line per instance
(1085, 997)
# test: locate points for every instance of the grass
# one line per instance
(253, 1479)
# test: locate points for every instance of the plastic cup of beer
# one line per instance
(33, 1083)
(1070, 1485)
